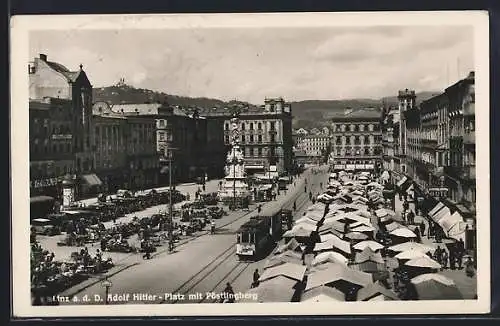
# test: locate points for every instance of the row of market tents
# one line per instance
(349, 247)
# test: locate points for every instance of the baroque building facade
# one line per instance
(356, 141)
(265, 134)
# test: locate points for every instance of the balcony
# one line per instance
(61, 137)
(470, 138)
(469, 172)
(470, 109)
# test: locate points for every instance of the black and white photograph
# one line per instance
(235, 164)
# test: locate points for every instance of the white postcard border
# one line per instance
(22, 25)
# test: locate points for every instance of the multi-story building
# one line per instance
(190, 144)
(357, 140)
(110, 147)
(438, 148)
(49, 79)
(315, 146)
(406, 102)
(429, 168)
(390, 140)
(51, 145)
(461, 172)
(265, 134)
(298, 135)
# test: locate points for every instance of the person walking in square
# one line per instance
(444, 259)
(452, 258)
(469, 267)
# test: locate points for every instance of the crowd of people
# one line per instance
(355, 214)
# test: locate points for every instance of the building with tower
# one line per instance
(65, 93)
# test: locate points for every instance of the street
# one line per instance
(204, 264)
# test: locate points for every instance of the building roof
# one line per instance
(467, 80)
(71, 76)
(359, 114)
(145, 109)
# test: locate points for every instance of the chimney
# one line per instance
(43, 57)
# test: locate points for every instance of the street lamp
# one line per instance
(170, 187)
(107, 285)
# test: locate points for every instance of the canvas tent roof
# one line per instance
(293, 271)
(337, 272)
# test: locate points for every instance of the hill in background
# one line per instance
(307, 114)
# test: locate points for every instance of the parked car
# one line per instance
(44, 226)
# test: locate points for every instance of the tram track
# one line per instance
(239, 267)
(220, 261)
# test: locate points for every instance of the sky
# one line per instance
(249, 64)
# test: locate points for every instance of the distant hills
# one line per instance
(307, 114)
(314, 113)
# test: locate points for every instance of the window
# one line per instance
(243, 138)
(243, 126)
(273, 125)
(227, 139)
(251, 125)
(255, 152)
(259, 151)
(251, 138)
(259, 126)
(161, 136)
(227, 126)
(162, 123)
(260, 138)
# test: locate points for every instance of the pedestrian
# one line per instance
(452, 258)
(212, 227)
(259, 208)
(438, 254)
(469, 267)
(411, 217)
(229, 293)
(294, 206)
(460, 252)
(256, 277)
(422, 228)
(444, 259)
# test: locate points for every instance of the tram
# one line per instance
(258, 236)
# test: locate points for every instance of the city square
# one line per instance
(261, 195)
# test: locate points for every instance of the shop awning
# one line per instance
(92, 179)
(402, 181)
(41, 199)
(254, 166)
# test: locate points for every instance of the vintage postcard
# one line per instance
(250, 164)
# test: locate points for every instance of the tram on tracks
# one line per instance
(258, 236)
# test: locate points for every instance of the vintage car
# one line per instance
(45, 227)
